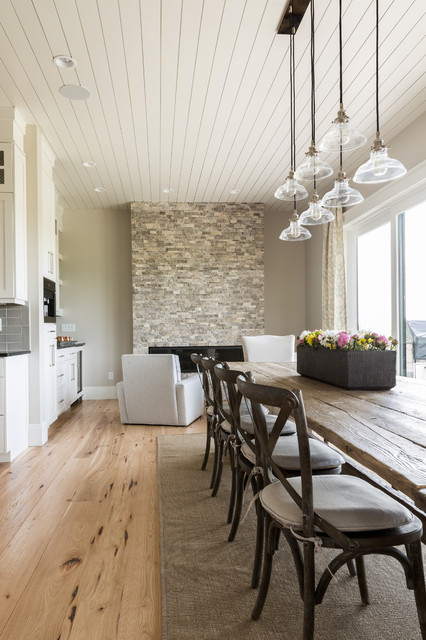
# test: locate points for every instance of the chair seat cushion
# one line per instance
(348, 503)
(225, 426)
(247, 424)
(286, 455)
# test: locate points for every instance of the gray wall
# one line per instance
(96, 291)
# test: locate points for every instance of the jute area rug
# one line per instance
(206, 590)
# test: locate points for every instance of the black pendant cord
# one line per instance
(313, 108)
(340, 70)
(291, 90)
(377, 67)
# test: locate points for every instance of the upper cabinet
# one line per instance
(48, 214)
(13, 212)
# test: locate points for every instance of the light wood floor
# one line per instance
(79, 531)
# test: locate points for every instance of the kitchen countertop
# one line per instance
(68, 345)
(7, 354)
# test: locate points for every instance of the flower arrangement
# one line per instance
(343, 340)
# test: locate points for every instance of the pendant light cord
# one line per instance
(292, 97)
(340, 70)
(313, 80)
(377, 66)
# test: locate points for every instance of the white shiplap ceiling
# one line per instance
(194, 94)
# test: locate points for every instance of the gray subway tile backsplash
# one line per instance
(15, 331)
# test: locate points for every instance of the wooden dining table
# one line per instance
(383, 432)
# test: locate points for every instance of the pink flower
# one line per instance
(343, 339)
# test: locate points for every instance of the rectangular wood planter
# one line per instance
(348, 369)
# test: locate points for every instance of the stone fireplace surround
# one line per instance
(197, 273)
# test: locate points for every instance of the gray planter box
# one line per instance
(348, 369)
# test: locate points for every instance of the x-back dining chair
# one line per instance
(208, 404)
(324, 460)
(335, 511)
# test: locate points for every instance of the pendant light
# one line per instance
(295, 232)
(291, 189)
(379, 168)
(342, 195)
(313, 168)
(342, 136)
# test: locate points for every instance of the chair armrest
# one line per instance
(190, 399)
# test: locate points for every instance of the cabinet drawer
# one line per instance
(2, 400)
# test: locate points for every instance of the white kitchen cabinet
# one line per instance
(50, 373)
(13, 406)
(48, 213)
(13, 229)
(68, 377)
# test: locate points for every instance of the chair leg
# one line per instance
(309, 591)
(260, 537)
(207, 449)
(419, 584)
(219, 465)
(234, 471)
(216, 454)
(351, 568)
(239, 493)
(269, 550)
(362, 579)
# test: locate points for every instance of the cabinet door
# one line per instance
(50, 374)
(72, 368)
(7, 246)
(48, 213)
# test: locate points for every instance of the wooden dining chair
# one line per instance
(340, 512)
(244, 461)
(208, 404)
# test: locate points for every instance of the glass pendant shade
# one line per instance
(295, 232)
(291, 189)
(342, 195)
(315, 214)
(342, 136)
(379, 168)
(313, 167)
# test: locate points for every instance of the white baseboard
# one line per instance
(100, 393)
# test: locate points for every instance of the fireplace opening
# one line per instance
(218, 352)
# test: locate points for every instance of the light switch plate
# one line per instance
(68, 327)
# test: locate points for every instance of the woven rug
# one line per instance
(206, 591)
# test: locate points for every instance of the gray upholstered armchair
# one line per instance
(152, 391)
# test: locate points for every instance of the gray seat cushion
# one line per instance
(247, 424)
(286, 454)
(348, 503)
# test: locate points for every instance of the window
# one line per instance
(386, 269)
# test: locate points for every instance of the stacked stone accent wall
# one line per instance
(197, 272)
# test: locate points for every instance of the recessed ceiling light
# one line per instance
(99, 189)
(74, 92)
(234, 192)
(65, 62)
(88, 163)
(167, 190)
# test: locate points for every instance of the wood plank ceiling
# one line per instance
(193, 95)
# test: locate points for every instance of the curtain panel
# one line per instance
(334, 314)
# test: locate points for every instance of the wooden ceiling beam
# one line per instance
(299, 9)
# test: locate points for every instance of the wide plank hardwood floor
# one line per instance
(79, 531)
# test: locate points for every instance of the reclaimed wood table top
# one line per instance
(385, 431)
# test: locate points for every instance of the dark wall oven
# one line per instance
(49, 300)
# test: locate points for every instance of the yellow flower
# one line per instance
(310, 340)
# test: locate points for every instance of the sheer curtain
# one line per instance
(333, 275)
